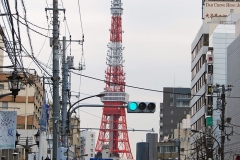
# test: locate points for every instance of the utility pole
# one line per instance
(66, 65)
(55, 78)
(65, 90)
(223, 122)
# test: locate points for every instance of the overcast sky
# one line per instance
(157, 39)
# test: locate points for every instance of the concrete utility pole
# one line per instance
(65, 90)
(223, 122)
(55, 78)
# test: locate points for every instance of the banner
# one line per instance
(8, 123)
(44, 115)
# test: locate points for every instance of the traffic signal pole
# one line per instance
(179, 144)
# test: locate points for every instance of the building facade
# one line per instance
(212, 39)
(183, 134)
(88, 137)
(167, 150)
(233, 110)
(28, 101)
(142, 151)
(74, 138)
(152, 139)
(175, 107)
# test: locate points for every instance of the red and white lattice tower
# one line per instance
(113, 133)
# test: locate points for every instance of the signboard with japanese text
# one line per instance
(8, 123)
(219, 9)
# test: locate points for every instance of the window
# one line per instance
(165, 149)
(20, 126)
(171, 121)
(5, 105)
(206, 40)
(171, 103)
(30, 127)
(171, 112)
(185, 104)
(171, 95)
(179, 104)
(1, 86)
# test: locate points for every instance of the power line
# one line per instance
(80, 17)
(33, 29)
(33, 24)
(26, 22)
(147, 89)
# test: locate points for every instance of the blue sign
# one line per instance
(43, 119)
(101, 159)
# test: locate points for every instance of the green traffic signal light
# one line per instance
(141, 107)
(132, 106)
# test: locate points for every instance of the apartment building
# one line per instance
(174, 108)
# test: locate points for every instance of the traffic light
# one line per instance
(61, 153)
(209, 90)
(209, 100)
(141, 107)
(210, 69)
(209, 111)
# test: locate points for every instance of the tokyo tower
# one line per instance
(113, 134)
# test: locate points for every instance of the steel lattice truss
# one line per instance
(113, 132)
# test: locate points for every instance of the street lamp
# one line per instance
(67, 119)
(14, 84)
(97, 95)
(17, 139)
(27, 146)
(68, 112)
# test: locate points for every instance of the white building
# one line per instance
(184, 134)
(89, 147)
(217, 32)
